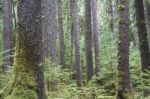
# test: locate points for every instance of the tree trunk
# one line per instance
(72, 40)
(28, 77)
(96, 36)
(7, 33)
(61, 33)
(142, 34)
(147, 16)
(49, 22)
(124, 84)
(76, 34)
(111, 15)
(88, 37)
(143, 39)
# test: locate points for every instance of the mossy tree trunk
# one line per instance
(28, 77)
(143, 40)
(124, 83)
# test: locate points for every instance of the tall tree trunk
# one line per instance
(72, 40)
(147, 16)
(142, 34)
(76, 34)
(49, 22)
(143, 38)
(61, 32)
(111, 14)
(96, 36)
(7, 33)
(28, 77)
(124, 83)
(88, 37)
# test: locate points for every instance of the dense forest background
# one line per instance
(74, 49)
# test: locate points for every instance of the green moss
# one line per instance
(7, 89)
(106, 97)
(22, 93)
(22, 86)
(26, 79)
(121, 21)
(129, 95)
(25, 68)
(121, 7)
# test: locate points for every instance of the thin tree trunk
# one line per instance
(61, 32)
(96, 36)
(72, 42)
(124, 83)
(76, 34)
(88, 37)
(143, 39)
(7, 33)
(28, 77)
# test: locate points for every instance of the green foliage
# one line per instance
(135, 68)
(21, 93)
(60, 83)
(4, 78)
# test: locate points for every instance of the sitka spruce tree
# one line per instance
(143, 41)
(88, 40)
(49, 27)
(147, 17)
(142, 34)
(95, 36)
(61, 32)
(75, 30)
(124, 83)
(7, 34)
(28, 77)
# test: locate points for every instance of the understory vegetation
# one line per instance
(69, 52)
(61, 83)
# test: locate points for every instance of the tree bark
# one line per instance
(124, 83)
(61, 33)
(49, 25)
(7, 33)
(88, 37)
(28, 77)
(147, 17)
(76, 34)
(95, 36)
(142, 34)
(143, 39)
(111, 15)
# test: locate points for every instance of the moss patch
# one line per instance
(22, 93)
